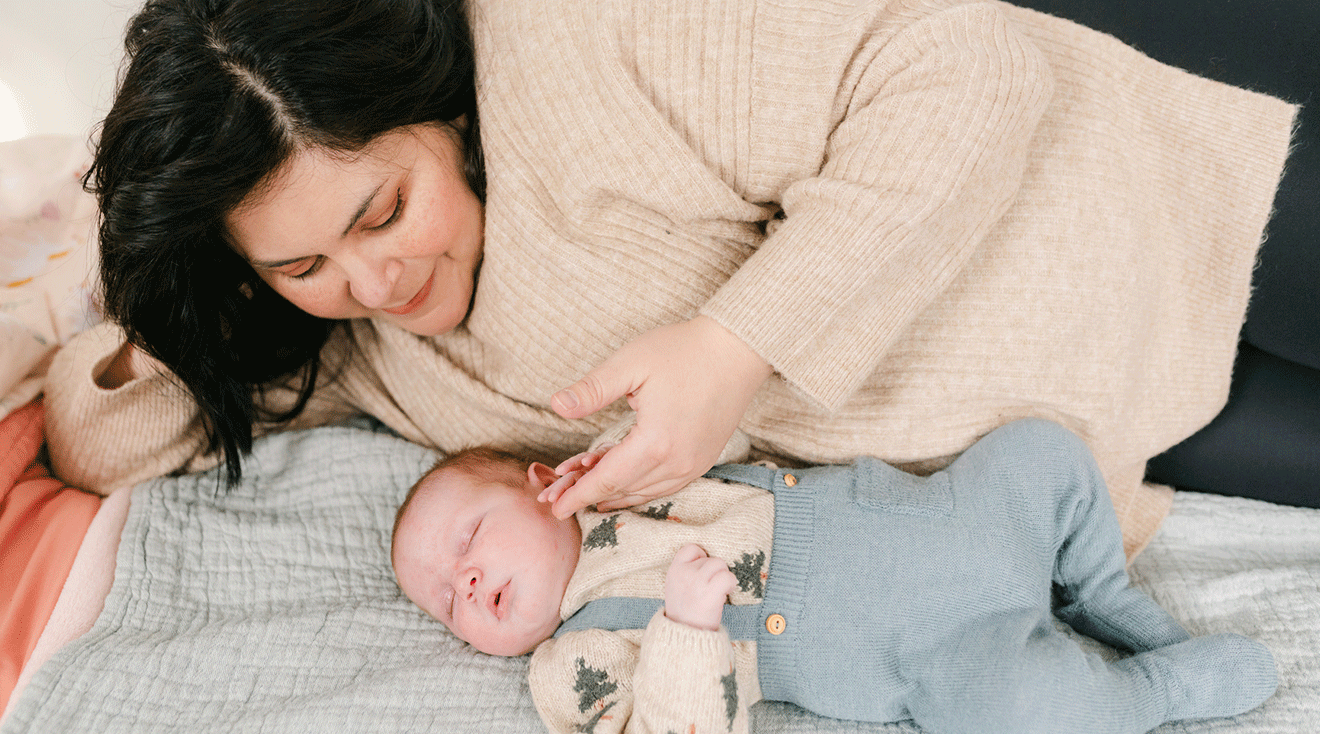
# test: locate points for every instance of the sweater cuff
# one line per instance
(686, 678)
(103, 439)
(823, 322)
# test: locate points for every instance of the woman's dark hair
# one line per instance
(216, 96)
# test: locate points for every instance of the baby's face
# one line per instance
(486, 559)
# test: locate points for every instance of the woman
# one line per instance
(877, 230)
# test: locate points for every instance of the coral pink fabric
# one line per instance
(42, 524)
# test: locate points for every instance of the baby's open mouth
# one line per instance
(496, 599)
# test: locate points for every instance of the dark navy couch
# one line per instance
(1266, 442)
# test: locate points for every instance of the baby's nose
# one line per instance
(471, 578)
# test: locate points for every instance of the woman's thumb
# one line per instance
(584, 397)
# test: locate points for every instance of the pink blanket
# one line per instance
(42, 525)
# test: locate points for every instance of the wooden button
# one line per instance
(790, 480)
(775, 624)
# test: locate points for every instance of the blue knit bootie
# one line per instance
(1212, 676)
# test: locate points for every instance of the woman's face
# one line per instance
(393, 232)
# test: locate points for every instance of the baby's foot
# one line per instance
(1212, 676)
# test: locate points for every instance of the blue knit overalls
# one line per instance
(930, 599)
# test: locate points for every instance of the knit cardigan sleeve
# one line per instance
(928, 151)
(104, 439)
(678, 679)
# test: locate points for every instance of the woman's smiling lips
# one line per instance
(416, 301)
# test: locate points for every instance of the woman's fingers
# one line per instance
(582, 461)
(559, 486)
(603, 483)
(690, 384)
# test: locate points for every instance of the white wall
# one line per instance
(58, 62)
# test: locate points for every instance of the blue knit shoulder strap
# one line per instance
(615, 613)
(753, 474)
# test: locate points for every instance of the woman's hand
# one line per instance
(696, 587)
(690, 384)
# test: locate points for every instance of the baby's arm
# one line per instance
(686, 681)
(685, 678)
(675, 678)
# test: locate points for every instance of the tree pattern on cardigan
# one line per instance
(604, 535)
(592, 685)
(749, 570)
(730, 684)
(658, 513)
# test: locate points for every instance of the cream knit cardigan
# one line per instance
(930, 216)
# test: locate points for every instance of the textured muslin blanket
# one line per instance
(272, 608)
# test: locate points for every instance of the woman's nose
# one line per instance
(371, 280)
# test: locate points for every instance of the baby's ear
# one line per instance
(540, 476)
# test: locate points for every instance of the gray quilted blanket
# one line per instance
(271, 608)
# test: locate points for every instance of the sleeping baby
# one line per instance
(855, 591)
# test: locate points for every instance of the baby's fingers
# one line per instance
(725, 581)
(715, 572)
(689, 553)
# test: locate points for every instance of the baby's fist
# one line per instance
(696, 587)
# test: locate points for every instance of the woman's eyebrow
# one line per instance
(362, 210)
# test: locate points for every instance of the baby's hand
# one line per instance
(569, 472)
(696, 587)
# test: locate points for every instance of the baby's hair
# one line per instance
(481, 463)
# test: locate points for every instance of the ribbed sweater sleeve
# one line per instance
(926, 157)
(685, 681)
(677, 679)
(103, 439)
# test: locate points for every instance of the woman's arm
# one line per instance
(116, 417)
(927, 158)
(108, 427)
(927, 155)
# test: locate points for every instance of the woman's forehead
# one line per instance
(307, 204)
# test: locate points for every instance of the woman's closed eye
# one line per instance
(311, 267)
(308, 267)
(394, 213)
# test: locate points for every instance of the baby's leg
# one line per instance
(1093, 592)
(1020, 674)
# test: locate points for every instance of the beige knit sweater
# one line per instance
(930, 216)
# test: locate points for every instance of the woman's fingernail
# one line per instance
(567, 399)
